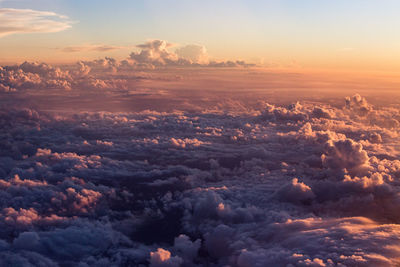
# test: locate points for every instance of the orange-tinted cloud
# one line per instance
(92, 48)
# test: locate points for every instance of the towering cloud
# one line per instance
(154, 53)
(157, 53)
(345, 154)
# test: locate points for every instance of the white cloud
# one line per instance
(14, 21)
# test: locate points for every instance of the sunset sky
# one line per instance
(340, 34)
(191, 133)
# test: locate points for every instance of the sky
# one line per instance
(340, 34)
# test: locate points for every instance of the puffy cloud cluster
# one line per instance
(306, 184)
(41, 76)
(156, 53)
(345, 154)
(33, 76)
(358, 105)
(296, 192)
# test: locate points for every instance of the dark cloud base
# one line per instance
(307, 184)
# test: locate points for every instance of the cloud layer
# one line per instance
(305, 184)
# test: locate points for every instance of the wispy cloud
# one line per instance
(93, 47)
(13, 21)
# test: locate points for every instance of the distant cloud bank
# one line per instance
(107, 73)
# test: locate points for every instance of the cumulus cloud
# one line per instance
(186, 248)
(156, 53)
(42, 76)
(162, 258)
(358, 104)
(345, 154)
(296, 192)
(193, 53)
(15, 21)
